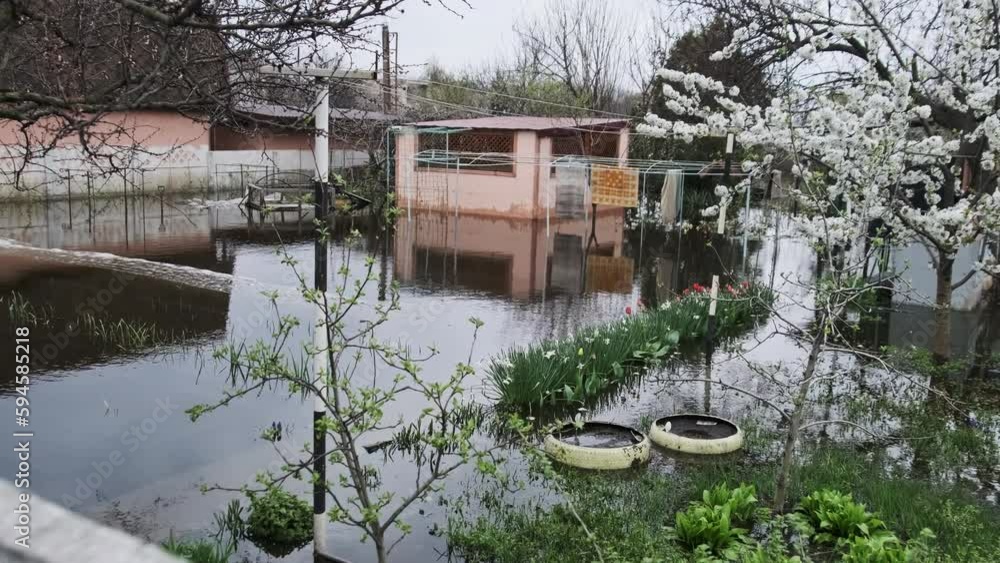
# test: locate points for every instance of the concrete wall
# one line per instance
(228, 139)
(177, 153)
(174, 153)
(481, 192)
(62, 536)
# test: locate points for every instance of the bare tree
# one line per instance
(71, 71)
(583, 44)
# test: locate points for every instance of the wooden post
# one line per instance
(746, 227)
(386, 71)
(712, 326)
(161, 189)
(69, 196)
(725, 181)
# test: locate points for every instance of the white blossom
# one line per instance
(864, 140)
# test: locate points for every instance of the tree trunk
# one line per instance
(792, 437)
(380, 548)
(942, 312)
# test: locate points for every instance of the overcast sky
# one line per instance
(482, 32)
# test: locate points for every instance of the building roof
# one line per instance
(278, 110)
(527, 123)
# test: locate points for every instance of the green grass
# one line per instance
(21, 311)
(124, 334)
(577, 370)
(626, 516)
(100, 330)
(627, 512)
(198, 551)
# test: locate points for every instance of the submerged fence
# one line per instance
(78, 183)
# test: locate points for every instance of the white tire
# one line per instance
(586, 457)
(660, 433)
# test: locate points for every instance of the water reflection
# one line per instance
(529, 280)
(521, 259)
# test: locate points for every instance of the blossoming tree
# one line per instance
(892, 109)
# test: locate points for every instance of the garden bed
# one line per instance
(578, 369)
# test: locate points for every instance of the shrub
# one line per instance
(836, 516)
(708, 528)
(742, 501)
(885, 547)
(279, 521)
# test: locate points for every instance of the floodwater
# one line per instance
(112, 440)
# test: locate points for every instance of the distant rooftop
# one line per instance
(527, 123)
(277, 110)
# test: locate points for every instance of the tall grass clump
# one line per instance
(577, 369)
(198, 551)
(22, 311)
(124, 334)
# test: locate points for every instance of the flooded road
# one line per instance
(108, 401)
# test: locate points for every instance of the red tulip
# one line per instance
(628, 310)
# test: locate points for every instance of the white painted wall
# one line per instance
(183, 168)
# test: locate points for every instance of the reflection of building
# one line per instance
(141, 228)
(497, 166)
(63, 291)
(510, 256)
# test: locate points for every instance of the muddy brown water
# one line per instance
(112, 440)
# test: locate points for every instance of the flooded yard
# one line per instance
(129, 297)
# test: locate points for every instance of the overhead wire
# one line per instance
(490, 112)
(532, 100)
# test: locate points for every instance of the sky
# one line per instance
(480, 32)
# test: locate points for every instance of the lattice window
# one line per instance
(586, 144)
(471, 150)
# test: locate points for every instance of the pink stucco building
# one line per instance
(496, 166)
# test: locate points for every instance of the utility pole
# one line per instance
(386, 71)
(321, 368)
(321, 155)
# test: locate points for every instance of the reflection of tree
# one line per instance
(684, 259)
